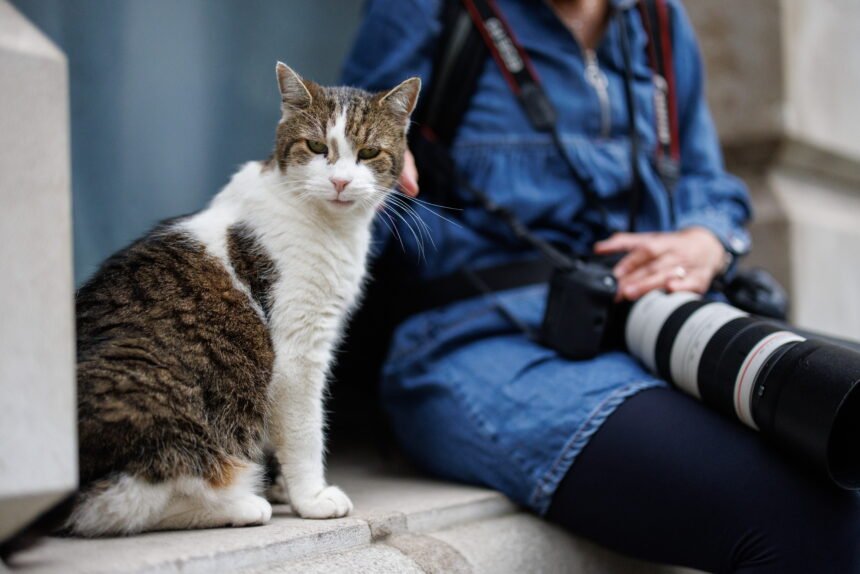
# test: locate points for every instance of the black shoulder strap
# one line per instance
(457, 66)
(656, 18)
(460, 57)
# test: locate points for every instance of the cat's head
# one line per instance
(341, 148)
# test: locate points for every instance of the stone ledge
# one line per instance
(19, 35)
(37, 350)
(402, 523)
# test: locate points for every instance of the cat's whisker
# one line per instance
(418, 241)
(304, 197)
(406, 207)
(422, 204)
(423, 228)
(393, 228)
(399, 192)
(415, 217)
(387, 213)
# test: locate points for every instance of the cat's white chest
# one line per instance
(320, 276)
(319, 262)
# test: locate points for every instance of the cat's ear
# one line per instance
(402, 99)
(294, 91)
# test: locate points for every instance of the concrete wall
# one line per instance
(38, 454)
(783, 79)
(822, 73)
(818, 179)
(741, 43)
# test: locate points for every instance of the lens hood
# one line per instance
(808, 402)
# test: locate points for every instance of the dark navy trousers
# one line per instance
(668, 480)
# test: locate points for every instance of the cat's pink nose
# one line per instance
(339, 184)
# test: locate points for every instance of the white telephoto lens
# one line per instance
(692, 339)
(646, 320)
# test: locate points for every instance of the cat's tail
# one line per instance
(118, 505)
(115, 506)
(42, 526)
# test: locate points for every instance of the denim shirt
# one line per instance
(501, 153)
(469, 396)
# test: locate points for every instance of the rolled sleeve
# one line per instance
(724, 217)
(705, 195)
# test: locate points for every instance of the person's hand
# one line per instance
(685, 260)
(409, 176)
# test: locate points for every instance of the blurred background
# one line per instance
(169, 97)
(143, 108)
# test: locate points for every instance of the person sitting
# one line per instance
(601, 446)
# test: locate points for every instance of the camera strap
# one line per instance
(656, 19)
(471, 28)
(522, 79)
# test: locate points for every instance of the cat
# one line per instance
(212, 336)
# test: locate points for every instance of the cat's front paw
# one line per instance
(249, 511)
(330, 502)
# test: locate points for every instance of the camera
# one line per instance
(800, 392)
(581, 317)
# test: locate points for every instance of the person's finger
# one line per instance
(696, 282)
(657, 280)
(637, 257)
(658, 272)
(660, 263)
(409, 176)
(621, 242)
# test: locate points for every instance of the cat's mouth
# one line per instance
(341, 202)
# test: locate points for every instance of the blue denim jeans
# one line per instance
(473, 399)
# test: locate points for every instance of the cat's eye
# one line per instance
(317, 147)
(368, 152)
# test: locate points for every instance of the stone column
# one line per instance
(38, 453)
(783, 75)
(818, 177)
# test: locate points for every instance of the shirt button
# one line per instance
(737, 244)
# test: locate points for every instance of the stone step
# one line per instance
(514, 543)
(403, 522)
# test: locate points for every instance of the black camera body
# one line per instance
(581, 317)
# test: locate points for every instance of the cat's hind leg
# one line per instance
(125, 504)
(119, 505)
(232, 500)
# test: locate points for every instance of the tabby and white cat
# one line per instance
(214, 333)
